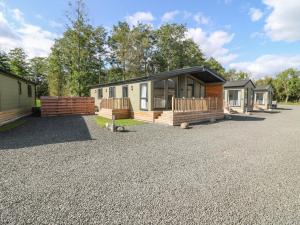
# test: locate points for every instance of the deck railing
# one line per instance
(197, 104)
(115, 103)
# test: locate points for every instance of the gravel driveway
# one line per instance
(66, 170)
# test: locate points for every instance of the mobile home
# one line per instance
(238, 96)
(17, 97)
(191, 94)
(263, 96)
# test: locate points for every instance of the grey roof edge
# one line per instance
(263, 88)
(9, 74)
(237, 86)
(162, 75)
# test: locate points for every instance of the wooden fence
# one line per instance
(197, 104)
(58, 106)
(115, 103)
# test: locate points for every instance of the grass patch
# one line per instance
(289, 103)
(12, 125)
(101, 121)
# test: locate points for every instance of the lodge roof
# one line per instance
(237, 83)
(205, 74)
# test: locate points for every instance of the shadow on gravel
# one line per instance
(246, 118)
(268, 112)
(50, 130)
(283, 109)
(233, 118)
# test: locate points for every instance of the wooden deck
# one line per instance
(117, 107)
(191, 110)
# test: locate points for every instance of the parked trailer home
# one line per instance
(192, 95)
(17, 97)
(263, 97)
(238, 96)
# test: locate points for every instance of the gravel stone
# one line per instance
(67, 170)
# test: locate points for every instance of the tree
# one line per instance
(232, 74)
(213, 64)
(77, 59)
(57, 76)
(119, 43)
(265, 81)
(283, 84)
(38, 73)
(169, 46)
(4, 61)
(17, 62)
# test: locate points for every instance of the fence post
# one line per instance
(209, 104)
(184, 104)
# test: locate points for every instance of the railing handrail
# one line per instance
(207, 104)
(115, 103)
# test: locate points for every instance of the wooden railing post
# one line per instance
(173, 104)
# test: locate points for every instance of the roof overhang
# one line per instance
(16, 77)
(200, 72)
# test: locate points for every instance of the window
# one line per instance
(234, 97)
(260, 98)
(125, 91)
(100, 93)
(190, 88)
(20, 87)
(144, 96)
(112, 93)
(29, 91)
(159, 94)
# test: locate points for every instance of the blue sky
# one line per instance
(260, 36)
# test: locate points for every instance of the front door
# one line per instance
(144, 96)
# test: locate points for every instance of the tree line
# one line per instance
(87, 55)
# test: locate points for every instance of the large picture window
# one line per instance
(260, 98)
(112, 92)
(234, 97)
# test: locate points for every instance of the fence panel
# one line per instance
(58, 106)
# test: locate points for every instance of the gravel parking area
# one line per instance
(67, 170)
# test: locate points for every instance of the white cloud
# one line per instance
(212, 44)
(35, 40)
(140, 17)
(201, 19)
(283, 23)
(17, 15)
(267, 65)
(255, 14)
(169, 16)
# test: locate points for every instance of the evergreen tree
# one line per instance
(4, 61)
(17, 62)
(38, 73)
(214, 65)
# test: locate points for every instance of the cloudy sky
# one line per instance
(258, 36)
